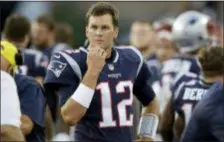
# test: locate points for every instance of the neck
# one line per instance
(213, 79)
(146, 52)
(17, 44)
(50, 42)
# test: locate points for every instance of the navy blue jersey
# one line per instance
(187, 95)
(110, 115)
(35, 63)
(33, 103)
(48, 51)
(183, 77)
(179, 64)
(207, 121)
(155, 66)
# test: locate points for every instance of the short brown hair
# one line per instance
(211, 60)
(16, 28)
(64, 33)
(47, 21)
(102, 8)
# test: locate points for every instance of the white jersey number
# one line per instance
(106, 103)
(187, 108)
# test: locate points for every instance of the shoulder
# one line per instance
(25, 78)
(25, 82)
(6, 77)
(214, 94)
(33, 52)
(130, 52)
(66, 65)
(184, 76)
(75, 59)
(211, 101)
(61, 46)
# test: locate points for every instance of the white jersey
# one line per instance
(10, 105)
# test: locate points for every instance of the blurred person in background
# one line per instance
(191, 31)
(31, 96)
(48, 37)
(44, 36)
(141, 37)
(70, 71)
(10, 105)
(165, 50)
(206, 122)
(64, 33)
(191, 91)
(33, 60)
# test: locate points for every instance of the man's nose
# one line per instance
(99, 32)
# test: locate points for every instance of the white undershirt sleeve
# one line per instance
(10, 105)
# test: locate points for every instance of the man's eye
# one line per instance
(94, 27)
(105, 28)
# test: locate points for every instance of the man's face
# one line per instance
(140, 34)
(165, 49)
(40, 34)
(100, 31)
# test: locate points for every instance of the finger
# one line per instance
(102, 53)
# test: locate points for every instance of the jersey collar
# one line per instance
(114, 56)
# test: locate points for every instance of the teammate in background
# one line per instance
(64, 33)
(43, 36)
(10, 111)
(30, 94)
(191, 91)
(165, 50)
(96, 85)
(192, 31)
(141, 36)
(34, 61)
(206, 123)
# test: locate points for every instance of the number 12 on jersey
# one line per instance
(106, 103)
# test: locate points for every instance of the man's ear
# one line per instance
(116, 31)
(87, 31)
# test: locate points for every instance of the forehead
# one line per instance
(37, 25)
(105, 19)
(140, 26)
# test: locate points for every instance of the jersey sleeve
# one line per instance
(62, 70)
(10, 105)
(33, 102)
(35, 62)
(62, 78)
(142, 89)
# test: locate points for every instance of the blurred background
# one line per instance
(73, 13)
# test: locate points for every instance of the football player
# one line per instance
(141, 35)
(35, 63)
(191, 31)
(96, 83)
(186, 66)
(10, 105)
(31, 97)
(190, 92)
(206, 123)
(44, 36)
